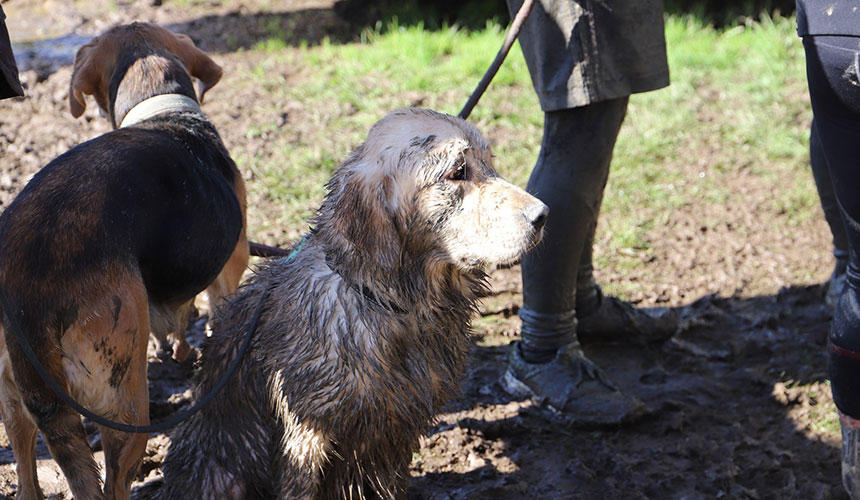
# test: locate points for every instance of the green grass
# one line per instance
(737, 106)
(677, 144)
(825, 418)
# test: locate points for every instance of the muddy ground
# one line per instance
(738, 399)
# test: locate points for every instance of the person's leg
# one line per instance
(833, 76)
(824, 184)
(569, 177)
(585, 59)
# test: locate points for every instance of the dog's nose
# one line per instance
(537, 214)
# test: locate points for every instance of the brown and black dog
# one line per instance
(92, 73)
(110, 241)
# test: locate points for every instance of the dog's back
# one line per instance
(123, 199)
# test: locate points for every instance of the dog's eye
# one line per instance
(458, 173)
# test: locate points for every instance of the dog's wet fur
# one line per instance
(110, 239)
(366, 329)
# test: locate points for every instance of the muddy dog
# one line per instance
(108, 241)
(365, 330)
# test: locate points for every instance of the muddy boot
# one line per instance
(850, 455)
(612, 320)
(573, 385)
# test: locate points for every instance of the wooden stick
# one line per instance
(513, 31)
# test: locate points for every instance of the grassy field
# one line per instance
(755, 73)
(737, 104)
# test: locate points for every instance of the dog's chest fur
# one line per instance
(347, 380)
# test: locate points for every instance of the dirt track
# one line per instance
(737, 399)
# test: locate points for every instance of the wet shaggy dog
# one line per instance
(108, 241)
(365, 331)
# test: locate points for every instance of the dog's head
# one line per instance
(134, 61)
(422, 187)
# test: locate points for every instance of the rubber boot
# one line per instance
(843, 365)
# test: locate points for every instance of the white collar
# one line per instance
(156, 105)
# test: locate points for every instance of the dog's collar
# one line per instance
(365, 291)
(157, 105)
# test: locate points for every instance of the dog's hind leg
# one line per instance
(62, 429)
(64, 433)
(230, 276)
(20, 428)
(181, 348)
(171, 321)
(123, 450)
(60, 425)
(122, 455)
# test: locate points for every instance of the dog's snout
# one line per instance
(537, 214)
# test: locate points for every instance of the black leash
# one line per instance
(165, 424)
(513, 31)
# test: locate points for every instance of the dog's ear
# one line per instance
(198, 64)
(87, 77)
(359, 214)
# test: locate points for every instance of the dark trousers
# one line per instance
(824, 184)
(569, 176)
(834, 89)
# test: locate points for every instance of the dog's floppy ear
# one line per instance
(87, 77)
(198, 64)
(356, 211)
